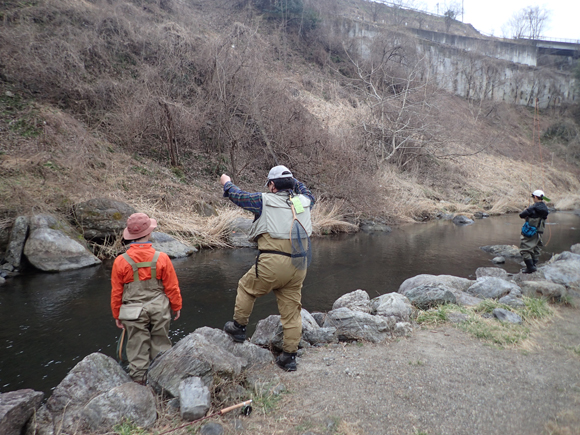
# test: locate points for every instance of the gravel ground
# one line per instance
(438, 381)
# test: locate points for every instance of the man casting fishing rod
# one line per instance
(281, 227)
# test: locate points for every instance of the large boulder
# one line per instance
(268, 332)
(508, 251)
(130, 401)
(430, 295)
(193, 355)
(16, 408)
(564, 269)
(100, 218)
(454, 283)
(392, 304)
(462, 220)
(490, 287)
(16, 241)
(250, 354)
(238, 233)
(96, 374)
(173, 248)
(547, 289)
(53, 251)
(357, 300)
(497, 272)
(356, 325)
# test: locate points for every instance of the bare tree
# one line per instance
(529, 22)
(452, 11)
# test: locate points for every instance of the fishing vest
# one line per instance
(142, 291)
(276, 218)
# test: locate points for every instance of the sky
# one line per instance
(489, 16)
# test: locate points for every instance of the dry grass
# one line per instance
(327, 218)
(568, 202)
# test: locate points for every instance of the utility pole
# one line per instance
(437, 8)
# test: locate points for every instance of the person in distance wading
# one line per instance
(276, 269)
(144, 292)
(531, 235)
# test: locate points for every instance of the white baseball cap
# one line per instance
(279, 171)
(539, 193)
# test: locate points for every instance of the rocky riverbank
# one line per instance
(206, 369)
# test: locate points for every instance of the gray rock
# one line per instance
(357, 300)
(392, 304)
(403, 329)
(268, 332)
(102, 217)
(16, 408)
(96, 374)
(202, 208)
(356, 325)
(212, 429)
(512, 300)
(129, 401)
(457, 317)
(430, 295)
(564, 269)
(454, 283)
(319, 317)
(490, 287)
(239, 232)
(465, 299)
(480, 215)
(250, 354)
(508, 251)
(462, 220)
(369, 226)
(546, 289)
(193, 355)
(491, 271)
(173, 248)
(507, 316)
(194, 398)
(320, 336)
(575, 249)
(498, 260)
(16, 241)
(53, 251)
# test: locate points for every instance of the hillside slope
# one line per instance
(149, 101)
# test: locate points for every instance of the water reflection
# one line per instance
(51, 321)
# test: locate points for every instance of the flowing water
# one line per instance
(49, 322)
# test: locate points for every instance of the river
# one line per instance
(49, 322)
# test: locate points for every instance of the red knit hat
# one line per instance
(138, 225)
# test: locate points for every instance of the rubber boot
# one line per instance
(236, 331)
(535, 260)
(287, 361)
(530, 268)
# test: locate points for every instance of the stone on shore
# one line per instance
(392, 304)
(173, 248)
(462, 220)
(497, 272)
(508, 251)
(239, 232)
(507, 316)
(430, 295)
(16, 408)
(490, 287)
(563, 269)
(130, 401)
(357, 300)
(575, 249)
(546, 289)
(356, 325)
(454, 283)
(194, 398)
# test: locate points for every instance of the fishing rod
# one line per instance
(246, 410)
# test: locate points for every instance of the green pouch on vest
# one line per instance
(297, 205)
(122, 347)
(130, 311)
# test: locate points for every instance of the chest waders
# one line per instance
(148, 335)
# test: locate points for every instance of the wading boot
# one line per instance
(535, 260)
(287, 361)
(530, 268)
(236, 331)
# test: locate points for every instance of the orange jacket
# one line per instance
(123, 273)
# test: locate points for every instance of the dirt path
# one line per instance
(438, 381)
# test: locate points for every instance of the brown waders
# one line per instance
(274, 272)
(148, 335)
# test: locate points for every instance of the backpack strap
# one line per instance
(136, 266)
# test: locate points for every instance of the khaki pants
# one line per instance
(275, 273)
(147, 337)
(530, 246)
